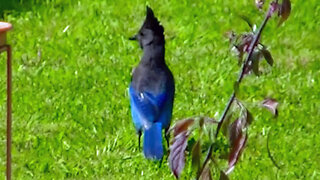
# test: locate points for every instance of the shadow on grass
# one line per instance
(17, 6)
(9, 6)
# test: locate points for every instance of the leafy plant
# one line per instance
(235, 130)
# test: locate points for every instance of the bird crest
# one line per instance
(152, 23)
(151, 31)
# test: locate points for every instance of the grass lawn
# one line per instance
(72, 63)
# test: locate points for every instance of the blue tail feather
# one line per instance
(152, 145)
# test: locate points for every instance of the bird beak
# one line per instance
(133, 38)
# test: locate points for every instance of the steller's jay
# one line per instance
(152, 88)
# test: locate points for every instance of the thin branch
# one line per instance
(240, 77)
(269, 153)
(244, 65)
(208, 157)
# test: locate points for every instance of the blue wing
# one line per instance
(166, 113)
(147, 108)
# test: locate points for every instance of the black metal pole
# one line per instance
(9, 111)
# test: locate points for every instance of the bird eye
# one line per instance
(141, 33)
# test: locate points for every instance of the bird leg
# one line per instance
(167, 136)
(139, 134)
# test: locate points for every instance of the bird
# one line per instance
(152, 88)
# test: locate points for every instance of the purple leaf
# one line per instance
(271, 105)
(236, 151)
(267, 56)
(237, 137)
(284, 11)
(182, 126)
(246, 117)
(235, 130)
(177, 153)
(246, 40)
(239, 125)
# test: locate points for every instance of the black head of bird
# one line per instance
(151, 32)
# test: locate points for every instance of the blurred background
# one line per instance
(72, 64)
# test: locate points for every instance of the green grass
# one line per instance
(71, 115)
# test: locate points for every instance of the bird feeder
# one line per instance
(4, 28)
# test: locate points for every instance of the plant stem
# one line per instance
(244, 65)
(269, 153)
(240, 77)
(205, 161)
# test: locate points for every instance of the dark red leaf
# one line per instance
(177, 153)
(271, 105)
(235, 130)
(246, 117)
(267, 56)
(236, 151)
(246, 40)
(223, 176)
(284, 11)
(182, 125)
(196, 155)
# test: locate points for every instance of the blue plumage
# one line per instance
(152, 88)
